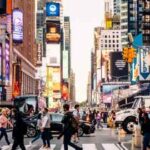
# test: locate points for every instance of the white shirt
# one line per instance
(46, 121)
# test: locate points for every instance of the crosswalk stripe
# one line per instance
(89, 147)
(108, 146)
(84, 146)
(52, 147)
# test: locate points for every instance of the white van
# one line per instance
(127, 118)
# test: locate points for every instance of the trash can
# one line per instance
(137, 137)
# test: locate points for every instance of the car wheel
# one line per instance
(80, 132)
(31, 132)
(128, 125)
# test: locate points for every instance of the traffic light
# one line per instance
(131, 54)
(125, 53)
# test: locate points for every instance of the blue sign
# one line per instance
(52, 9)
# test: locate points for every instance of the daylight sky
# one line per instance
(84, 16)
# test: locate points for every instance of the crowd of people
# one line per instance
(70, 121)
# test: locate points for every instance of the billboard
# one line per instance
(7, 62)
(65, 65)
(0, 62)
(53, 55)
(2, 7)
(65, 91)
(53, 34)
(52, 9)
(144, 64)
(56, 79)
(118, 67)
(17, 26)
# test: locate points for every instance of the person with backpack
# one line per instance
(76, 115)
(19, 130)
(69, 128)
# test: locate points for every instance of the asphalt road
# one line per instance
(104, 139)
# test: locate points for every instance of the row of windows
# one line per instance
(109, 36)
(110, 45)
(110, 41)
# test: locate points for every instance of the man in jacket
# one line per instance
(18, 130)
(68, 131)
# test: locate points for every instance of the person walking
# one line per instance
(98, 120)
(45, 128)
(3, 125)
(39, 123)
(19, 130)
(145, 129)
(68, 130)
(76, 115)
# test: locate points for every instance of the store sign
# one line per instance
(17, 26)
(7, 62)
(53, 34)
(52, 9)
(39, 54)
(65, 65)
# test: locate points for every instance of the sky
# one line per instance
(84, 16)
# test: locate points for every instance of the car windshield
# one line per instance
(135, 104)
(56, 117)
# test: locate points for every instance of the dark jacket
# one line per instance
(67, 123)
(18, 126)
(145, 128)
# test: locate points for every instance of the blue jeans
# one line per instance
(4, 133)
(146, 141)
(37, 137)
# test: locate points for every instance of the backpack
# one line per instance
(74, 124)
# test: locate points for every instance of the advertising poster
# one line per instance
(53, 55)
(56, 79)
(53, 34)
(118, 67)
(0, 62)
(2, 7)
(65, 65)
(65, 91)
(7, 62)
(17, 26)
(52, 9)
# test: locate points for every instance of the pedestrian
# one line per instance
(45, 128)
(84, 116)
(98, 120)
(68, 130)
(76, 115)
(4, 122)
(145, 129)
(19, 130)
(38, 126)
(140, 116)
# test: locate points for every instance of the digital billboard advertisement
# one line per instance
(65, 91)
(7, 62)
(53, 34)
(118, 67)
(53, 55)
(2, 7)
(0, 62)
(65, 65)
(17, 26)
(52, 9)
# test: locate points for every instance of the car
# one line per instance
(57, 126)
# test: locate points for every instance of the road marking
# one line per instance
(52, 147)
(89, 147)
(84, 146)
(110, 146)
(28, 147)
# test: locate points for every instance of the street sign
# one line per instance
(144, 66)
